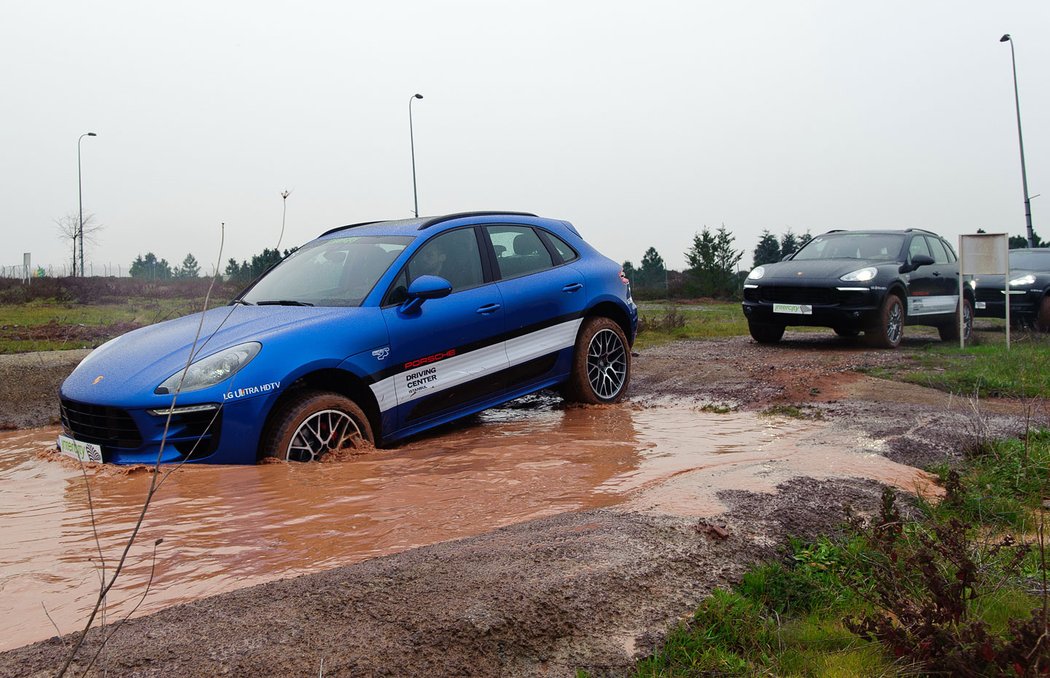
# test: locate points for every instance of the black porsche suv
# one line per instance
(874, 282)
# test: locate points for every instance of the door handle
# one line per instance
(488, 309)
(572, 287)
(937, 274)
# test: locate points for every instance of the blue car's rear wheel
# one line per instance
(314, 424)
(601, 366)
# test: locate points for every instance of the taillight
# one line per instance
(623, 278)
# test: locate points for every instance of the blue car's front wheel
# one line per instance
(317, 423)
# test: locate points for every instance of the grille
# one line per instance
(797, 295)
(985, 294)
(108, 426)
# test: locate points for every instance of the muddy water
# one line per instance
(228, 527)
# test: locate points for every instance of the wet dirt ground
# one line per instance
(612, 522)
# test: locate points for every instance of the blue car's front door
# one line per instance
(445, 353)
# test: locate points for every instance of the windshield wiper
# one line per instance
(240, 301)
(283, 302)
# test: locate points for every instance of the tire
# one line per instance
(601, 363)
(846, 331)
(1042, 318)
(890, 330)
(313, 424)
(765, 334)
(950, 332)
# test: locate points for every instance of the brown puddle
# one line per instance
(227, 527)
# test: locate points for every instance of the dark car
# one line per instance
(368, 334)
(874, 282)
(1029, 290)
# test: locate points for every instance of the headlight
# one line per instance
(1028, 279)
(216, 368)
(756, 273)
(862, 275)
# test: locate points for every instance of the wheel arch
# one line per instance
(617, 314)
(333, 380)
(900, 291)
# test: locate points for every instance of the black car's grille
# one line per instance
(986, 294)
(781, 294)
(101, 425)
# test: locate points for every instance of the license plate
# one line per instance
(981, 305)
(797, 309)
(79, 450)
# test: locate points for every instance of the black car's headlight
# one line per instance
(861, 275)
(1027, 279)
(216, 368)
(756, 273)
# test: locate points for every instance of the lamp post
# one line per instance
(412, 140)
(1020, 142)
(284, 211)
(80, 201)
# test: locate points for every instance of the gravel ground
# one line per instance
(592, 590)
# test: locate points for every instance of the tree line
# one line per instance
(148, 266)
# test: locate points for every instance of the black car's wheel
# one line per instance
(846, 331)
(315, 423)
(1042, 319)
(765, 334)
(890, 330)
(601, 363)
(950, 332)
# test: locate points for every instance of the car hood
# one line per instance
(131, 366)
(815, 269)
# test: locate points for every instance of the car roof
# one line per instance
(412, 227)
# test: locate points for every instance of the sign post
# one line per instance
(985, 254)
(26, 266)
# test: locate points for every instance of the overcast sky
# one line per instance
(639, 122)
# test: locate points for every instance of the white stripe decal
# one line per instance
(429, 379)
(932, 305)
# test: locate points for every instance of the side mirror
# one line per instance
(917, 261)
(425, 287)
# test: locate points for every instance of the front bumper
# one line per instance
(208, 433)
(991, 302)
(845, 306)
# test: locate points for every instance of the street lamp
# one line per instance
(80, 200)
(1020, 142)
(284, 211)
(412, 140)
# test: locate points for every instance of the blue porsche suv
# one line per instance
(366, 335)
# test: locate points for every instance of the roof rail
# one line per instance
(339, 228)
(837, 230)
(920, 230)
(448, 217)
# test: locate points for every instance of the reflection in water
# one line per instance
(227, 527)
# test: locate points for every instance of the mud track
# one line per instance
(590, 590)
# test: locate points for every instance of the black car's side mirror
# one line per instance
(425, 287)
(917, 261)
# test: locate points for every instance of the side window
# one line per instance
(519, 251)
(399, 290)
(566, 252)
(918, 246)
(940, 256)
(453, 256)
(951, 253)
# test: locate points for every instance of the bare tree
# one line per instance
(69, 228)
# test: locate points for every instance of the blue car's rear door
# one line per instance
(544, 298)
(445, 354)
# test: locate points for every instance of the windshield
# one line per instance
(876, 246)
(1027, 260)
(331, 272)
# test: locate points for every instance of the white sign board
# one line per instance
(985, 254)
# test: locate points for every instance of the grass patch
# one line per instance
(987, 370)
(792, 411)
(660, 323)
